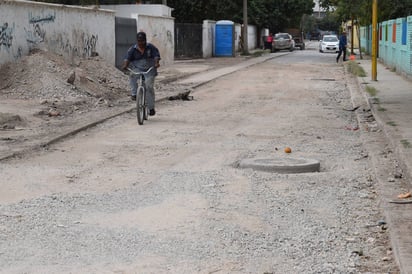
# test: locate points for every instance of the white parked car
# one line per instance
(329, 43)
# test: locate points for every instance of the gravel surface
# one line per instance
(168, 197)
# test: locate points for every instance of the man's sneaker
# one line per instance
(133, 97)
(152, 112)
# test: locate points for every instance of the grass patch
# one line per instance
(371, 90)
(355, 69)
(406, 143)
(381, 109)
(258, 53)
(392, 123)
(376, 101)
(393, 69)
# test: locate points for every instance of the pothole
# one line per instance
(283, 165)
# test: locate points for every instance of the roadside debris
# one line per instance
(182, 96)
(405, 195)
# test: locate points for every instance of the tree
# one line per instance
(361, 9)
(274, 14)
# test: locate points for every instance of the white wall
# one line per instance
(155, 20)
(128, 10)
(160, 32)
(74, 32)
(208, 36)
(252, 37)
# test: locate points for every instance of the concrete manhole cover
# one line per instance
(284, 165)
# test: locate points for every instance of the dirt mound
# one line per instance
(44, 77)
(42, 96)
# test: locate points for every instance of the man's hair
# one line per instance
(141, 36)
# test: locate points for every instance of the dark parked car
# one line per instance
(283, 41)
(314, 36)
(299, 41)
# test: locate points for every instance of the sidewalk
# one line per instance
(392, 108)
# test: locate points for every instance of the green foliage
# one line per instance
(356, 70)
(371, 91)
(406, 143)
(273, 14)
(362, 9)
(329, 22)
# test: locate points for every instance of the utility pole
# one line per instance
(374, 39)
(352, 35)
(245, 42)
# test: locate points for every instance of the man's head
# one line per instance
(141, 38)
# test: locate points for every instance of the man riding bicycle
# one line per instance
(141, 57)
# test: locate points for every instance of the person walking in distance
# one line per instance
(141, 57)
(342, 47)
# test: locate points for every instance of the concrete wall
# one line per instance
(74, 32)
(160, 32)
(394, 44)
(208, 36)
(155, 20)
(128, 10)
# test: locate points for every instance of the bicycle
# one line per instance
(141, 104)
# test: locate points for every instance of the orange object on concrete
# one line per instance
(352, 57)
(288, 150)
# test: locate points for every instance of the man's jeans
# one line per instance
(341, 50)
(149, 80)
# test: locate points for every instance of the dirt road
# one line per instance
(168, 196)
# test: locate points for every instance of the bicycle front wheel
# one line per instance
(140, 105)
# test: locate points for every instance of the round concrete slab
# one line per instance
(282, 165)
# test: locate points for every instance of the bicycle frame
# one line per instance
(141, 104)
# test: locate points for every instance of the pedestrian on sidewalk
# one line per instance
(342, 47)
(140, 57)
(268, 42)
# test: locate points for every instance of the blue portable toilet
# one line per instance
(224, 38)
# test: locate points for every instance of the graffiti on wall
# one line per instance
(6, 36)
(89, 45)
(84, 45)
(41, 18)
(36, 33)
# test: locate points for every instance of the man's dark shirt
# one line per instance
(142, 61)
(342, 42)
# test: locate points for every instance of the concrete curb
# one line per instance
(394, 215)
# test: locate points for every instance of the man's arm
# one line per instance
(125, 64)
(156, 55)
(127, 58)
(157, 64)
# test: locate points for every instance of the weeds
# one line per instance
(392, 123)
(355, 69)
(371, 90)
(406, 143)
(259, 53)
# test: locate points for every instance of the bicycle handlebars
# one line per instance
(140, 72)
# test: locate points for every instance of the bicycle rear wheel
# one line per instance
(146, 109)
(141, 105)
